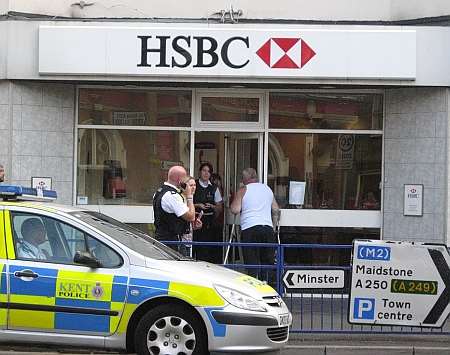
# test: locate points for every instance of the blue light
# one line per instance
(14, 192)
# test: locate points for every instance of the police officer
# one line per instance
(208, 201)
(173, 207)
(34, 234)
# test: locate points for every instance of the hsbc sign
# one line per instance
(281, 53)
(224, 52)
(287, 52)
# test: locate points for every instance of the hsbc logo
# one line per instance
(286, 53)
(235, 52)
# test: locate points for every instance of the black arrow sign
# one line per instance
(289, 277)
(443, 301)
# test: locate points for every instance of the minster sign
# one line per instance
(218, 51)
(399, 283)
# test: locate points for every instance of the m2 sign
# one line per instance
(370, 252)
(227, 52)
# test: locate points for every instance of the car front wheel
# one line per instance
(171, 329)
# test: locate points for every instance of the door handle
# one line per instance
(26, 273)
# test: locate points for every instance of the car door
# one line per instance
(3, 268)
(49, 291)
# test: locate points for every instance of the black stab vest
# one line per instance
(168, 225)
(205, 195)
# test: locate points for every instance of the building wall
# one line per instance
(325, 10)
(21, 59)
(37, 122)
(415, 152)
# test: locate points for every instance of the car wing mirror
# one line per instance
(87, 259)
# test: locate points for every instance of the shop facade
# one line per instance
(337, 120)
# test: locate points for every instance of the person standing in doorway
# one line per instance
(173, 207)
(2, 173)
(257, 205)
(208, 201)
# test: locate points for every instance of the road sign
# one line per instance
(308, 279)
(399, 283)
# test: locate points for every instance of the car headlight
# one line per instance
(239, 299)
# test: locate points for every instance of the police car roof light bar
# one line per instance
(13, 192)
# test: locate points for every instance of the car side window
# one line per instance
(46, 239)
(108, 258)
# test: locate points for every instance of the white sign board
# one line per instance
(218, 51)
(297, 192)
(314, 279)
(399, 283)
(413, 200)
(42, 183)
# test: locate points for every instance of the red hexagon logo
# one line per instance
(285, 53)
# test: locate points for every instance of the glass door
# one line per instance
(242, 150)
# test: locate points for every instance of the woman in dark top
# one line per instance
(208, 200)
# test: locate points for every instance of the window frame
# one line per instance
(338, 218)
(68, 222)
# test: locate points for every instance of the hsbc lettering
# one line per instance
(195, 51)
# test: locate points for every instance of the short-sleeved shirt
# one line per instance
(173, 202)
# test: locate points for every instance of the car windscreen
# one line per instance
(131, 237)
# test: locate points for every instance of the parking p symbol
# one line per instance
(364, 308)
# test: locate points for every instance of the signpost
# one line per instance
(399, 283)
(313, 279)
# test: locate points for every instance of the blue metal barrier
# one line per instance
(313, 311)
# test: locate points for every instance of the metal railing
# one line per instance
(313, 310)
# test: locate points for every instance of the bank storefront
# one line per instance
(308, 107)
(327, 143)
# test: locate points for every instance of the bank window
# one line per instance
(326, 111)
(335, 171)
(124, 166)
(134, 107)
(230, 109)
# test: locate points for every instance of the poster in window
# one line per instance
(297, 192)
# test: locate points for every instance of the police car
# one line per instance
(77, 277)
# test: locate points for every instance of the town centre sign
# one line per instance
(399, 283)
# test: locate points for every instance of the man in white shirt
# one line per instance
(173, 207)
(257, 205)
(34, 234)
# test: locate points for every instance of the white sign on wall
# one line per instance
(227, 52)
(399, 283)
(42, 183)
(413, 200)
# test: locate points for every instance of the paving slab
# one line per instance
(369, 350)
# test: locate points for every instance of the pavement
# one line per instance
(323, 344)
